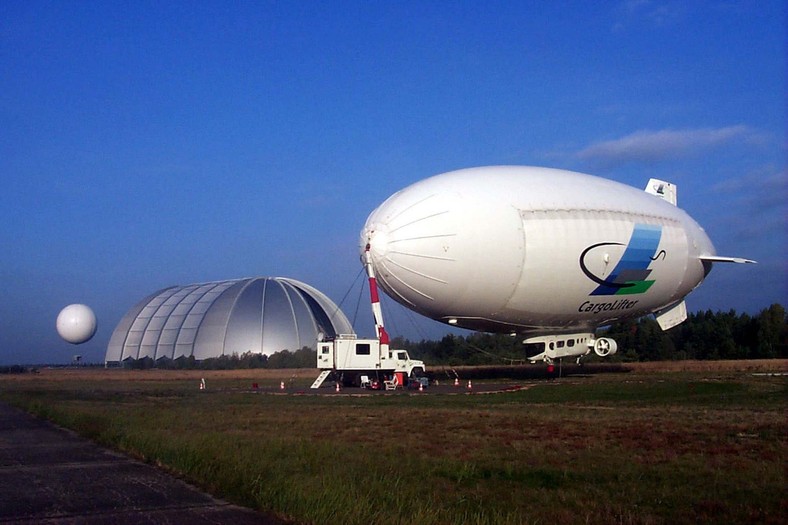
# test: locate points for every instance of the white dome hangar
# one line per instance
(260, 315)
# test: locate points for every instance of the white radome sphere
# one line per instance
(76, 323)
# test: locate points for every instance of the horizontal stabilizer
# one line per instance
(664, 190)
(672, 316)
(718, 258)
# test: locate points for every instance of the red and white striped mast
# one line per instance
(377, 313)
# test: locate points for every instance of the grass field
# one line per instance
(654, 445)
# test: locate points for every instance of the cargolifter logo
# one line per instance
(630, 276)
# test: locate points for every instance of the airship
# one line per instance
(547, 254)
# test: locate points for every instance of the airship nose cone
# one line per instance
(427, 253)
(376, 236)
(410, 237)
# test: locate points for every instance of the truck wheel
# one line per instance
(417, 372)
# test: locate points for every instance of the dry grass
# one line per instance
(743, 365)
(645, 447)
(118, 374)
(268, 376)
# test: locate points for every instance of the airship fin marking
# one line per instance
(664, 190)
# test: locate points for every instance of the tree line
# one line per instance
(704, 335)
(305, 357)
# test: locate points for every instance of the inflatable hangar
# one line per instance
(260, 315)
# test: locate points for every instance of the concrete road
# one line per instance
(49, 475)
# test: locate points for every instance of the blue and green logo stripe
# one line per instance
(630, 276)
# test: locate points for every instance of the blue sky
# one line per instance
(148, 144)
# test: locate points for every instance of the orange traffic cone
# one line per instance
(456, 381)
(281, 385)
(337, 387)
(421, 386)
(470, 385)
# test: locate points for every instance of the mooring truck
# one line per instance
(350, 358)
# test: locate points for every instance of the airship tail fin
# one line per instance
(663, 190)
(672, 316)
(719, 258)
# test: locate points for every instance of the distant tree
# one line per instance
(771, 333)
(305, 357)
(15, 369)
(447, 351)
(281, 359)
(625, 334)
(139, 364)
(722, 332)
(222, 362)
(651, 343)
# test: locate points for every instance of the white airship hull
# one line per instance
(533, 250)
